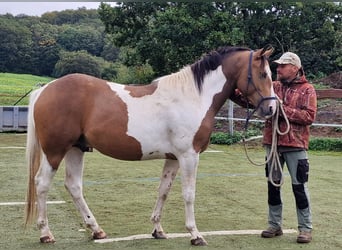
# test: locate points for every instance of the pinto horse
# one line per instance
(171, 118)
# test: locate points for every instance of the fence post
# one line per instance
(230, 117)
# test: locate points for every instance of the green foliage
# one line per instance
(224, 138)
(326, 144)
(133, 75)
(76, 38)
(163, 34)
(228, 139)
(317, 144)
(15, 46)
(171, 35)
(77, 62)
(82, 15)
(33, 45)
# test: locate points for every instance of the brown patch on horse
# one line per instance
(170, 156)
(202, 137)
(100, 119)
(142, 90)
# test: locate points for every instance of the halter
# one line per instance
(273, 156)
(250, 82)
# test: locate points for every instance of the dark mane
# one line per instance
(210, 62)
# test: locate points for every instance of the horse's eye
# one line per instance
(263, 74)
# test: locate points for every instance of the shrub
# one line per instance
(142, 74)
(326, 144)
(77, 62)
(318, 144)
(228, 139)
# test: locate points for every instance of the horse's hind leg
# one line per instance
(168, 175)
(73, 183)
(43, 180)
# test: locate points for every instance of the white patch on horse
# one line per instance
(215, 77)
(165, 111)
(273, 103)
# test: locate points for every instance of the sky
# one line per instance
(38, 8)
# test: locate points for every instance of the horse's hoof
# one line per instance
(159, 235)
(198, 242)
(47, 239)
(99, 235)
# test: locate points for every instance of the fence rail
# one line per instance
(321, 94)
(14, 118)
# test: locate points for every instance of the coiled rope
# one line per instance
(275, 175)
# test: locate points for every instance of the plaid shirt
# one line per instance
(300, 106)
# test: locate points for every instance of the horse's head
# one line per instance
(254, 80)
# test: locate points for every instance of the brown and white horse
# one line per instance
(171, 118)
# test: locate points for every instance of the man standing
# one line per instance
(299, 102)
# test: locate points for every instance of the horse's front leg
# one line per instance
(189, 164)
(168, 175)
(73, 183)
(43, 181)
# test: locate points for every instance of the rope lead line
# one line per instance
(275, 175)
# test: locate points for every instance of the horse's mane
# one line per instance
(197, 71)
(210, 62)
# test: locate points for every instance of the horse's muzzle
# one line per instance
(267, 108)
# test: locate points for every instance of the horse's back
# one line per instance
(65, 102)
(118, 120)
(82, 109)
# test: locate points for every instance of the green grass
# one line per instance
(14, 86)
(231, 195)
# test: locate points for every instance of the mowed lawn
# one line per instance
(231, 195)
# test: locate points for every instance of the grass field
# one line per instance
(231, 195)
(14, 86)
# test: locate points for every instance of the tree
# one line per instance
(183, 32)
(75, 38)
(309, 29)
(69, 16)
(15, 45)
(169, 35)
(77, 62)
(109, 51)
(45, 49)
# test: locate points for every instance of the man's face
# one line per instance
(286, 72)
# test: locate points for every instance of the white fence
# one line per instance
(14, 118)
(230, 118)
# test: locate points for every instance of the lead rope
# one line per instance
(275, 175)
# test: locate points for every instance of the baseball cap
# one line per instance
(289, 58)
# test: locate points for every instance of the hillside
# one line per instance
(15, 86)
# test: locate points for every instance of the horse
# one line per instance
(170, 118)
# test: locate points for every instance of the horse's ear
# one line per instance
(265, 52)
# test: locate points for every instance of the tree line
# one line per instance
(135, 42)
(55, 44)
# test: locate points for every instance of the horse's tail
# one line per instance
(33, 157)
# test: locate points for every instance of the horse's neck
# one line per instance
(215, 90)
(213, 94)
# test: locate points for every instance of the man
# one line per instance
(299, 102)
